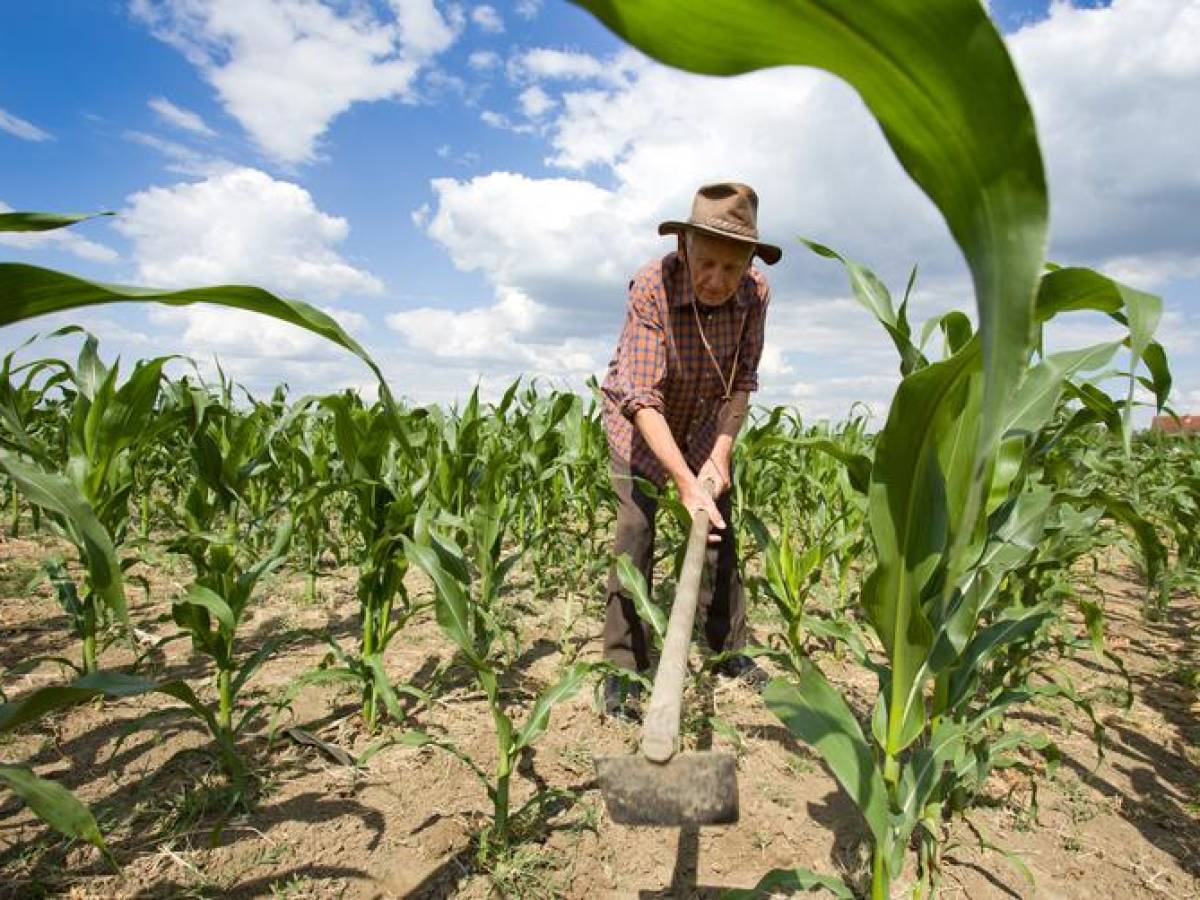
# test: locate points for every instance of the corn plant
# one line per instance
(468, 583)
(386, 491)
(86, 492)
(221, 540)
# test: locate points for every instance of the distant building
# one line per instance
(1172, 425)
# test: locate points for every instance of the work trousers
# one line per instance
(721, 612)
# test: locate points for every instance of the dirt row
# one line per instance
(1126, 825)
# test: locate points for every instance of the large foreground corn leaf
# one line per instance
(41, 221)
(938, 78)
(816, 713)
(27, 291)
(54, 805)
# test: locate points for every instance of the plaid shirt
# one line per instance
(661, 362)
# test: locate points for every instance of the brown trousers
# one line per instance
(721, 612)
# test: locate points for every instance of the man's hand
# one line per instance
(694, 498)
(717, 474)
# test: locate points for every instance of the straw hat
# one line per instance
(726, 209)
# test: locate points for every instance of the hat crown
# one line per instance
(727, 206)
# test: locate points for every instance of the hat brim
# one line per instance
(768, 253)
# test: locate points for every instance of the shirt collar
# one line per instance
(679, 287)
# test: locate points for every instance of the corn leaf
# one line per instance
(55, 805)
(567, 686)
(793, 881)
(40, 221)
(54, 492)
(27, 291)
(648, 611)
(815, 712)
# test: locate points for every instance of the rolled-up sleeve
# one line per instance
(753, 337)
(642, 363)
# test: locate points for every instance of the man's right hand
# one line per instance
(695, 498)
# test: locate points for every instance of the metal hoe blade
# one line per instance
(691, 789)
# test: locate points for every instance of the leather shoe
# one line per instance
(742, 668)
(622, 699)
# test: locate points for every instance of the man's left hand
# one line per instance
(718, 474)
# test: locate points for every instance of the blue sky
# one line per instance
(468, 186)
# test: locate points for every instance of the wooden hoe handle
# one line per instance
(660, 729)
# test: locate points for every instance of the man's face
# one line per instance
(716, 266)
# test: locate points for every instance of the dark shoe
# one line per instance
(622, 699)
(743, 669)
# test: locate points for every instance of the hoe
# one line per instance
(660, 785)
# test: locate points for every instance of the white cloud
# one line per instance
(1113, 89)
(179, 117)
(487, 19)
(546, 62)
(181, 158)
(483, 60)
(286, 68)
(59, 239)
(1115, 93)
(528, 9)
(499, 120)
(500, 340)
(535, 102)
(245, 227)
(18, 127)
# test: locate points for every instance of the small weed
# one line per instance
(799, 765)
(577, 758)
(527, 870)
(296, 885)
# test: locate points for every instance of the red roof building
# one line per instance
(1172, 425)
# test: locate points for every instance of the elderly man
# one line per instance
(675, 397)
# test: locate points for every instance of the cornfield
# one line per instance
(926, 590)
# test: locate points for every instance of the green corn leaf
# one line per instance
(1006, 630)
(56, 806)
(41, 221)
(98, 684)
(207, 599)
(452, 606)
(27, 291)
(793, 881)
(1154, 553)
(910, 523)
(567, 686)
(648, 611)
(872, 294)
(858, 465)
(54, 492)
(383, 687)
(1070, 289)
(815, 712)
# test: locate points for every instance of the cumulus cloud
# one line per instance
(179, 117)
(483, 60)
(487, 19)
(528, 9)
(547, 62)
(1113, 89)
(499, 340)
(241, 226)
(64, 239)
(1115, 94)
(535, 102)
(286, 68)
(244, 227)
